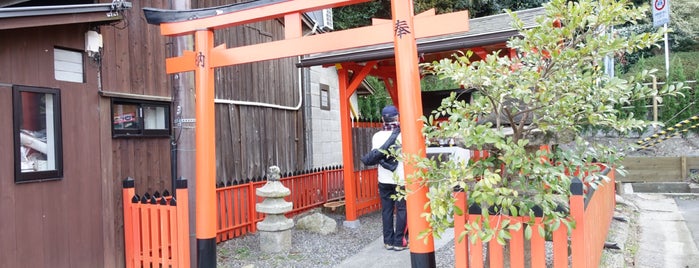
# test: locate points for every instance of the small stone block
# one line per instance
(275, 242)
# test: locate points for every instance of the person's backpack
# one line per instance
(376, 156)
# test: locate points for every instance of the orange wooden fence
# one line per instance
(236, 203)
(156, 227)
(594, 220)
(367, 185)
(580, 248)
(236, 213)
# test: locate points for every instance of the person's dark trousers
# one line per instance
(392, 234)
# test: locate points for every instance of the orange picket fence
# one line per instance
(311, 189)
(367, 185)
(156, 227)
(578, 248)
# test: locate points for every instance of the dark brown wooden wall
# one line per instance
(133, 62)
(361, 143)
(78, 221)
(54, 223)
(252, 138)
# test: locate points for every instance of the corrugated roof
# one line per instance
(14, 12)
(40, 16)
(483, 31)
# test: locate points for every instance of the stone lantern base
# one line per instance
(275, 242)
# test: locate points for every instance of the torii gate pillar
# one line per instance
(205, 144)
(410, 110)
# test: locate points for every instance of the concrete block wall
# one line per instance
(325, 124)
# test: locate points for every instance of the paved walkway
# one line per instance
(690, 211)
(375, 256)
(666, 241)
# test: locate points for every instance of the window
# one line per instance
(324, 97)
(137, 118)
(37, 133)
(68, 65)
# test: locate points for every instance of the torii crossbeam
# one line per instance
(402, 30)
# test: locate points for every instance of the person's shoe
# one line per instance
(387, 246)
(399, 248)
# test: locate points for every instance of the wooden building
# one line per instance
(85, 102)
(63, 69)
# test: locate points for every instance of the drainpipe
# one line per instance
(305, 85)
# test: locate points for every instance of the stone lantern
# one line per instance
(275, 229)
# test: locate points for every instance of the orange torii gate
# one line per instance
(403, 31)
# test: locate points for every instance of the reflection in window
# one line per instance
(126, 116)
(137, 118)
(37, 129)
(154, 117)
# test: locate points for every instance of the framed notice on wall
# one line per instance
(324, 97)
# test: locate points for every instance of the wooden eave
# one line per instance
(24, 17)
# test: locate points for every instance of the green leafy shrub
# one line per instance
(544, 97)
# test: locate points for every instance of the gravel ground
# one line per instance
(314, 250)
(307, 249)
(676, 146)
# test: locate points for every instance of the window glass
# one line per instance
(125, 116)
(37, 130)
(140, 118)
(154, 117)
(324, 97)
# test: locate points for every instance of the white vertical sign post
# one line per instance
(608, 59)
(661, 17)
